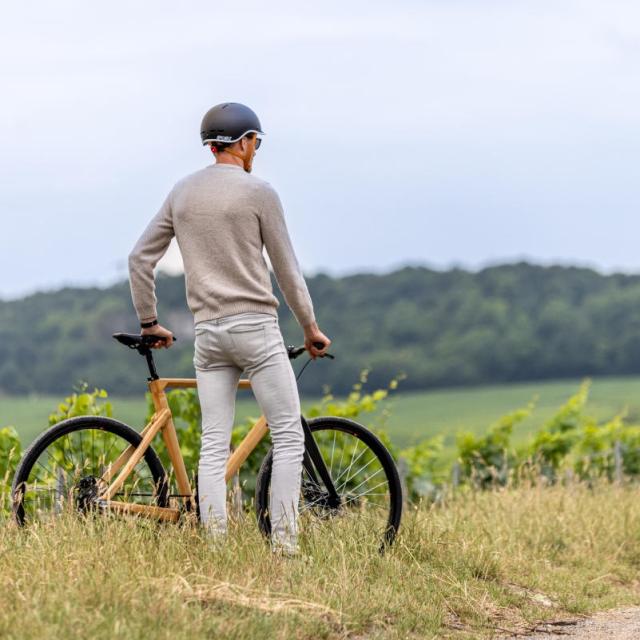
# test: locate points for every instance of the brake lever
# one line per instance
(320, 345)
(295, 352)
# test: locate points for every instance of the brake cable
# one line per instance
(294, 352)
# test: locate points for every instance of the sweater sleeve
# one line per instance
(151, 246)
(275, 236)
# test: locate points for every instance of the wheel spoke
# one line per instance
(344, 484)
(369, 493)
(333, 449)
(367, 479)
(352, 463)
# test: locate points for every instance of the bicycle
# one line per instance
(93, 463)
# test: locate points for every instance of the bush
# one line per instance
(559, 435)
(486, 461)
(10, 453)
(82, 403)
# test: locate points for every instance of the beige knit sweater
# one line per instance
(222, 217)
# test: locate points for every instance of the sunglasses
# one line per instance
(258, 143)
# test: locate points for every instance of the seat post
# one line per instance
(142, 344)
(151, 364)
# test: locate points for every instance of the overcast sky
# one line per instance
(417, 132)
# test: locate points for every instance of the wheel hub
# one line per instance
(320, 500)
(87, 494)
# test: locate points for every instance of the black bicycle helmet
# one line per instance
(228, 122)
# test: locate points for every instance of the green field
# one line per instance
(413, 416)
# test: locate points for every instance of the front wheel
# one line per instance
(362, 472)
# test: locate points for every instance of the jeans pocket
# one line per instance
(249, 342)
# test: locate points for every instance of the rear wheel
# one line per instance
(64, 470)
(363, 474)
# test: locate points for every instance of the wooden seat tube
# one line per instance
(170, 438)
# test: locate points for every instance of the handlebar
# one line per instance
(294, 352)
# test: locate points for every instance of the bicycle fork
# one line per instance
(315, 467)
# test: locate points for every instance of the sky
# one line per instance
(424, 132)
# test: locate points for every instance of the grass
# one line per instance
(476, 566)
(413, 416)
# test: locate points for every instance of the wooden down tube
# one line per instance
(163, 420)
(117, 464)
(248, 444)
(153, 427)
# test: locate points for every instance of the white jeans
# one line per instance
(224, 348)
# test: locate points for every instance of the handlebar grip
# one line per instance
(319, 345)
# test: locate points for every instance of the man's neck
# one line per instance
(227, 158)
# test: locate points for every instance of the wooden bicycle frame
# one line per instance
(162, 421)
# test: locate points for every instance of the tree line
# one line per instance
(512, 322)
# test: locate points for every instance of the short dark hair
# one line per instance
(221, 146)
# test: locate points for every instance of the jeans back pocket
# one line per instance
(249, 342)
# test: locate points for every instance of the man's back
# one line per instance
(221, 217)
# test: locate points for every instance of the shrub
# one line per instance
(10, 452)
(486, 461)
(552, 444)
(82, 403)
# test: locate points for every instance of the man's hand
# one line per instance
(159, 330)
(313, 334)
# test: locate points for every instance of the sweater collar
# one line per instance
(215, 165)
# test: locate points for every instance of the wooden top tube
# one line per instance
(189, 383)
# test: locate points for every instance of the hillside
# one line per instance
(513, 322)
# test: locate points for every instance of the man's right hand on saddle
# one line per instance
(313, 334)
(159, 330)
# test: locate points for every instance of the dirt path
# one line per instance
(620, 624)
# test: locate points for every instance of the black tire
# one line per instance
(376, 449)
(94, 425)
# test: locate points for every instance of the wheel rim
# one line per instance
(70, 472)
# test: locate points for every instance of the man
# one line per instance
(222, 218)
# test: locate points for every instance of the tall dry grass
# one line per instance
(476, 566)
